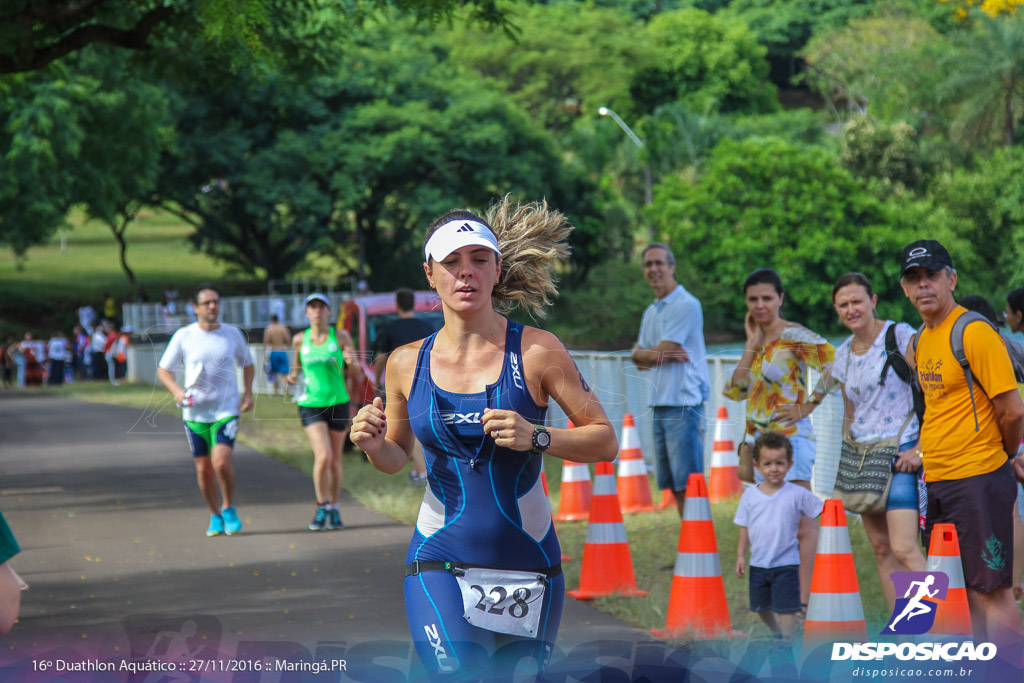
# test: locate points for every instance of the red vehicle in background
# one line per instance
(364, 318)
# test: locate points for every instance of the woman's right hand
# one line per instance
(369, 427)
(755, 335)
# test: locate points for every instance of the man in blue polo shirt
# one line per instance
(671, 345)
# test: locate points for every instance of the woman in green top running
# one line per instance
(323, 355)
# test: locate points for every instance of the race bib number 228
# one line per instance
(502, 601)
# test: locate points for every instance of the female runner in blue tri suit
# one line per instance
(483, 581)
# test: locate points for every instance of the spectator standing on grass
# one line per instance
(210, 403)
(86, 317)
(879, 405)
(109, 306)
(17, 354)
(120, 354)
(58, 353)
(113, 333)
(671, 346)
(1014, 312)
(171, 298)
(7, 364)
(80, 357)
(167, 315)
(405, 330)
(769, 515)
(969, 438)
(35, 360)
(96, 346)
(771, 378)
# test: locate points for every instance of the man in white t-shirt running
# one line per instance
(210, 401)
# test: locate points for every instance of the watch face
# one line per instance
(541, 439)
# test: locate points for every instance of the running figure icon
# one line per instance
(915, 607)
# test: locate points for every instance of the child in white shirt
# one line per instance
(769, 515)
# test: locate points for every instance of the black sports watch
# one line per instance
(541, 439)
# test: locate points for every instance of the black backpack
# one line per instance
(894, 359)
(956, 343)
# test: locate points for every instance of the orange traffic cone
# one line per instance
(835, 611)
(607, 567)
(574, 503)
(668, 499)
(724, 483)
(952, 615)
(696, 605)
(634, 486)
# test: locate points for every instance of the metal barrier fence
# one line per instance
(248, 312)
(622, 389)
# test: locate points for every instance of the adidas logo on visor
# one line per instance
(457, 234)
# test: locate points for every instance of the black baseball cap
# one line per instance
(925, 254)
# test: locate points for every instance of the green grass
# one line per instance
(43, 294)
(653, 537)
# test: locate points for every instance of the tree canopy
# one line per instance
(764, 202)
(352, 163)
(34, 33)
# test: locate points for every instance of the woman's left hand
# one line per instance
(508, 429)
(791, 413)
(909, 461)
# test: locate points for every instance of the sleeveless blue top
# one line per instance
(484, 505)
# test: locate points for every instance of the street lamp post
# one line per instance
(605, 111)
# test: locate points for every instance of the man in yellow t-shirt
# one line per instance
(969, 468)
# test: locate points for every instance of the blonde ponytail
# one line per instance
(532, 239)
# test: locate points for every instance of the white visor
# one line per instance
(458, 234)
(318, 297)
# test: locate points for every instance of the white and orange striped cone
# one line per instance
(952, 615)
(574, 503)
(834, 611)
(574, 499)
(696, 606)
(634, 485)
(668, 500)
(724, 483)
(607, 567)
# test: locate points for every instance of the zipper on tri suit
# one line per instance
(472, 463)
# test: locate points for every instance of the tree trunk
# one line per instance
(123, 247)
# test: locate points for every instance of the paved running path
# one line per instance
(104, 503)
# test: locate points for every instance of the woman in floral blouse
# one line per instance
(771, 377)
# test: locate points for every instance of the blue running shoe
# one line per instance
(232, 525)
(319, 522)
(216, 526)
(335, 522)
